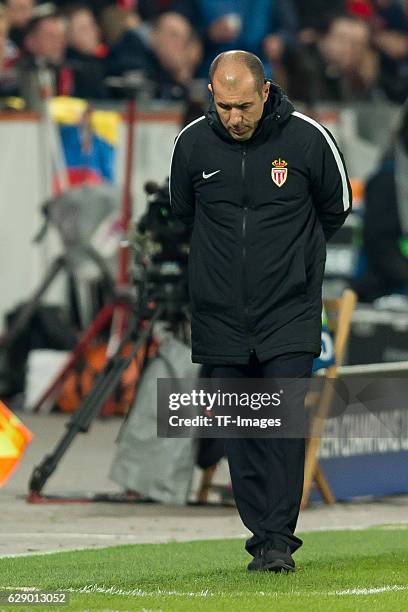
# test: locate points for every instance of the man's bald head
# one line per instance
(240, 92)
(230, 67)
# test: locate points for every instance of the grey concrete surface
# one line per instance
(31, 528)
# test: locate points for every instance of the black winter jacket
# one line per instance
(387, 267)
(261, 211)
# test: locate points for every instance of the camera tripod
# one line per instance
(166, 308)
(140, 335)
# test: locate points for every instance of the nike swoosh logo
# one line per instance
(207, 176)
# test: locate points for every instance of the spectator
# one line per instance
(177, 53)
(264, 27)
(45, 37)
(85, 53)
(19, 13)
(127, 41)
(391, 39)
(44, 51)
(167, 53)
(116, 22)
(8, 58)
(385, 235)
(340, 66)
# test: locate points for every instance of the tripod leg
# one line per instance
(80, 422)
(100, 322)
(149, 343)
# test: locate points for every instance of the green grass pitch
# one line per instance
(336, 570)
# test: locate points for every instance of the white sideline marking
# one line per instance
(112, 590)
(373, 591)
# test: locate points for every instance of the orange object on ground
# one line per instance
(14, 438)
(79, 383)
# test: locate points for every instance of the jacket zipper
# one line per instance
(244, 253)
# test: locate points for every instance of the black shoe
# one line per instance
(256, 564)
(274, 560)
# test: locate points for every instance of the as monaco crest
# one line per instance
(279, 172)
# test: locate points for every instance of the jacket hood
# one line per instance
(277, 109)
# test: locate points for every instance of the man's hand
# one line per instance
(393, 44)
(225, 29)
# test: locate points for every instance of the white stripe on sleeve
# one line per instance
(175, 143)
(340, 165)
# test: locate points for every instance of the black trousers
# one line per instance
(267, 473)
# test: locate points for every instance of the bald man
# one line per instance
(263, 187)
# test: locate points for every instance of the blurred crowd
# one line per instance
(337, 51)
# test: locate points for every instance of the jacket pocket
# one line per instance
(282, 283)
(210, 286)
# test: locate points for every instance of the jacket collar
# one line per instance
(277, 110)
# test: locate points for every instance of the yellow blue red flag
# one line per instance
(89, 139)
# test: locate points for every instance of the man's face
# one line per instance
(83, 33)
(48, 40)
(170, 39)
(239, 105)
(346, 42)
